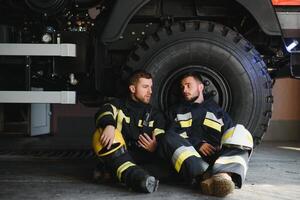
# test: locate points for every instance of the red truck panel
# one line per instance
(286, 2)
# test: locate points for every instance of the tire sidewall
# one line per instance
(242, 73)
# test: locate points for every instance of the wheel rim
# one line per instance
(215, 84)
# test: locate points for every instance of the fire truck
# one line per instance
(83, 50)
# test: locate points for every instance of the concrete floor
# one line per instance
(274, 173)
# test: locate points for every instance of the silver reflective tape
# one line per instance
(184, 117)
(212, 116)
(184, 135)
(224, 160)
(179, 151)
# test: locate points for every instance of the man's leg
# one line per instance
(184, 158)
(228, 171)
(133, 176)
(121, 165)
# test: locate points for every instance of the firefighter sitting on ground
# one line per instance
(203, 144)
(127, 132)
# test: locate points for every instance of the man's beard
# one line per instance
(193, 99)
(142, 100)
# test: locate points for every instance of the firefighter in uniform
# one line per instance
(127, 133)
(204, 144)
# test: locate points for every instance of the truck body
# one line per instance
(239, 47)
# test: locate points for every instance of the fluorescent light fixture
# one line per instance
(292, 45)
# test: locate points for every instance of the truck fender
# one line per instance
(121, 14)
(264, 14)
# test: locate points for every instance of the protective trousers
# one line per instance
(184, 158)
(118, 160)
(230, 160)
(123, 167)
(190, 164)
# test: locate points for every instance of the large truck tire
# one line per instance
(233, 71)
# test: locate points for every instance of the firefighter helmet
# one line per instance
(238, 136)
(101, 150)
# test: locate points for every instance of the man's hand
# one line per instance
(207, 149)
(108, 136)
(147, 143)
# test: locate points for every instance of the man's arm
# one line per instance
(149, 143)
(228, 122)
(105, 119)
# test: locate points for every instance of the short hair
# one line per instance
(195, 75)
(136, 75)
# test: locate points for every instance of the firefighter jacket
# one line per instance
(200, 123)
(131, 118)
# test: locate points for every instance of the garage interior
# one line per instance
(84, 50)
(59, 165)
(71, 126)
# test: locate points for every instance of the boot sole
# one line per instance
(151, 184)
(217, 186)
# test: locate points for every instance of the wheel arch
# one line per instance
(123, 12)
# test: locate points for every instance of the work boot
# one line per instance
(149, 184)
(139, 180)
(218, 185)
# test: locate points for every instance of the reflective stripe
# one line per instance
(123, 167)
(212, 116)
(227, 134)
(212, 124)
(184, 117)
(186, 124)
(140, 124)
(158, 131)
(122, 116)
(103, 114)
(115, 111)
(224, 160)
(151, 123)
(181, 154)
(184, 135)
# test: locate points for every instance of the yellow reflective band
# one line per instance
(115, 111)
(140, 123)
(227, 134)
(181, 154)
(182, 157)
(103, 114)
(212, 124)
(123, 167)
(224, 160)
(121, 116)
(151, 123)
(212, 116)
(186, 124)
(184, 135)
(158, 131)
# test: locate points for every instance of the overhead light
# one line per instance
(292, 45)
